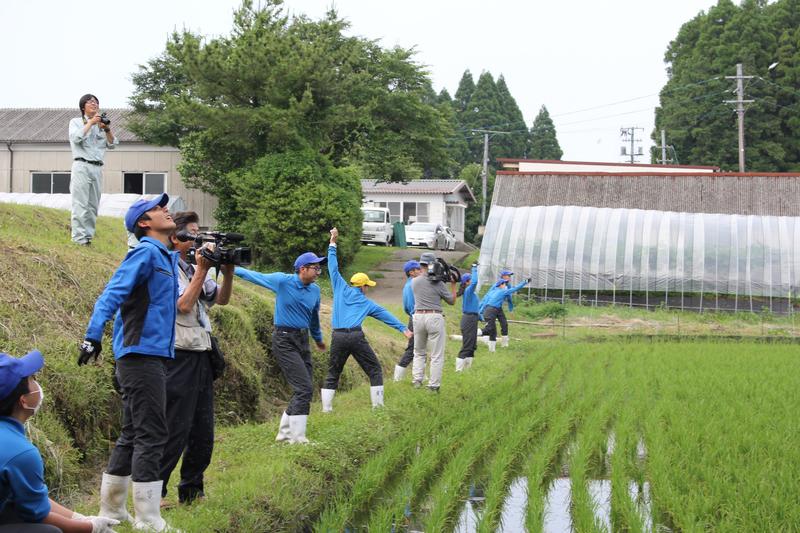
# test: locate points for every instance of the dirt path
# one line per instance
(390, 288)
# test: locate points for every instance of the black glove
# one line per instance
(89, 349)
(527, 280)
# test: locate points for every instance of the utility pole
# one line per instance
(663, 146)
(627, 132)
(485, 171)
(740, 101)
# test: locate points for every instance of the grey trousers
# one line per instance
(347, 343)
(428, 327)
(85, 187)
(469, 335)
(291, 349)
(140, 445)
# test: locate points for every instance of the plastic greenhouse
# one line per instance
(641, 257)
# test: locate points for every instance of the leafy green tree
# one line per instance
(707, 48)
(544, 143)
(308, 196)
(278, 84)
(515, 143)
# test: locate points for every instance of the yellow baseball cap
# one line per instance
(360, 279)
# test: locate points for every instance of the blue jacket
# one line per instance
(469, 300)
(408, 297)
(497, 295)
(144, 290)
(21, 473)
(350, 305)
(296, 304)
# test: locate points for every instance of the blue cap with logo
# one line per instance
(506, 273)
(13, 370)
(410, 265)
(142, 206)
(465, 277)
(308, 258)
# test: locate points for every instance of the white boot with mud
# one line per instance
(283, 431)
(492, 346)
(504, 341)
(468, 362)
(480, 332)
(460, 364)
(114, 497)
(399, 372)
(147, 506)
(297, 426)
(327, 399)
(376, 395)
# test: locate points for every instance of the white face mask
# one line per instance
(38, 406)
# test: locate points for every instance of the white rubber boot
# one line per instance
(459, 364)
(504, 341)
(483, 339)
(376, 395)
(492, 346)
(468, 362)
(480, 332)
(297, 426)
(114, 497)
(283, 431)
(399, 372)
(147, 506)
(327, 399)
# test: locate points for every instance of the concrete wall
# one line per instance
(29, 158)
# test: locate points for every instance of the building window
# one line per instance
(144, 182)
(394, 211)
(50, 182)
(423, 211)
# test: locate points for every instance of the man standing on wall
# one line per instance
(350, 308)
(296, 313)
(429, 323)
(89, 138)
(412, 269)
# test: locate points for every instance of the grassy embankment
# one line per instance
(50, 288)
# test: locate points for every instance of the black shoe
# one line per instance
(433, 389)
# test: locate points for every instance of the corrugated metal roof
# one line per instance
(417, 187)
(744, 194)
(51, 125)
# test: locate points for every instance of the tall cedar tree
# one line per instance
(515, 143)
(707, 48)
(544, 143)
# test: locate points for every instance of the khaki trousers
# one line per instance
(428, 328)
(85, 187)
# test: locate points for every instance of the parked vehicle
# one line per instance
(377, 227)
(429, 235)
(449, 238)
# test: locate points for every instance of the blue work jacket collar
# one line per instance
(158, 244)
(299, 284)
(14, 423)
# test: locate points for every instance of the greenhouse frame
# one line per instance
(642, 257)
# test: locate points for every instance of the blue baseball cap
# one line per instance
(308, 258)
(410, 265)
(466, 277)
(142, 206)
(506, 273)
(13, 370)
(501, 282)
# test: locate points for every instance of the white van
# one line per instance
(377, 228)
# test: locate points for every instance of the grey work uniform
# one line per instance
(429, 327)
(86, 181)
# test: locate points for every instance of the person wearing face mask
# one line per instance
(89, 138)
(297, 300)
(25, 506)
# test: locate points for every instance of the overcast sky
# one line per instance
(569, 55)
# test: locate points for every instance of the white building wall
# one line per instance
(133, 157)
(436, 211)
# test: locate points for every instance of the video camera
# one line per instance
(222, 254)
(439, 270)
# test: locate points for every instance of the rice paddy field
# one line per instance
(583, 436)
